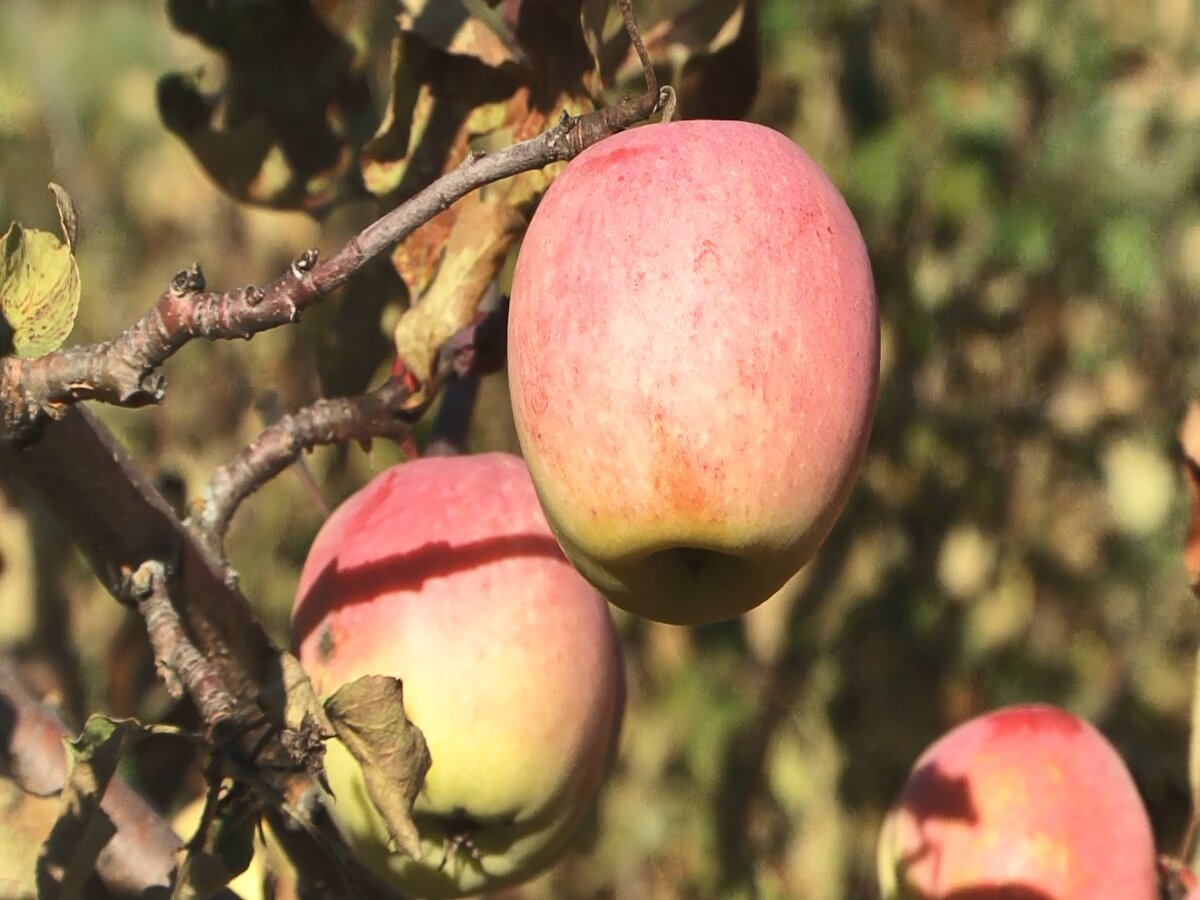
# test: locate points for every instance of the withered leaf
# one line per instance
(368, 716)
(450, 263)
(453, 27)
(282, 128)
(39, 289)
(606, 38)
(438, 102)
(68, 856)
(482, 235)
(68, 215)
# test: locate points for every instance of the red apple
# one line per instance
(443, 572)
(694, 358)
(1028, 803)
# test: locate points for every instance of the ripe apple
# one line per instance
(1027, 802)
(443, 572)
(694, 361)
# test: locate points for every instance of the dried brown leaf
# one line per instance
(452, 27)
(68, 215)
(368, 716)
(438, 102)
(482, 235)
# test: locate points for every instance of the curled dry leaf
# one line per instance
(452, 28)
(39, 289)
(68, 216)
(483, 233)
(283, 128)
(439, 101)
(68, 856)
(368, 716)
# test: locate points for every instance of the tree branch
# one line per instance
(125, 371)
(385, 412)
(178, 663)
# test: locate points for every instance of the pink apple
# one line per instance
(443, 572)
(694, 358)
(1028, 803)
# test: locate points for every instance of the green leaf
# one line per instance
(39, 289)
(368, 716)
(68, 856)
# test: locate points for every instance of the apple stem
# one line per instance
(636, 36)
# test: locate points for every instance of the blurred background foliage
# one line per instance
(1026, 175)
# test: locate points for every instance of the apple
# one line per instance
(694, 361)
(444, 573)
(1027, 802)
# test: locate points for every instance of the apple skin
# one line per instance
(1027, 803)
(694, 362)
(443, 572)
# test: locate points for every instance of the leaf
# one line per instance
(281, 128)
(68, 856)
(39, 289)
(712, 53)
(68, 216)
(368, 716)
(449, 263)
(438, 102)
(222, 846)
(452, 27)
(483, 233)
(606, 47)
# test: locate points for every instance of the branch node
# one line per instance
(188, 281)
(254, 295)
(306, 262)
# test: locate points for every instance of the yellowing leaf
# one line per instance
(368, 716)
(39, 289)
(482, 234)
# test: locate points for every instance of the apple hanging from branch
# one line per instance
(442, 572)
(1027, 802)
(694, 362)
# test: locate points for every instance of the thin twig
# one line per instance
(385, 412)
(179, 664)
(636, 36)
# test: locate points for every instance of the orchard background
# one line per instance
(1025, 174)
